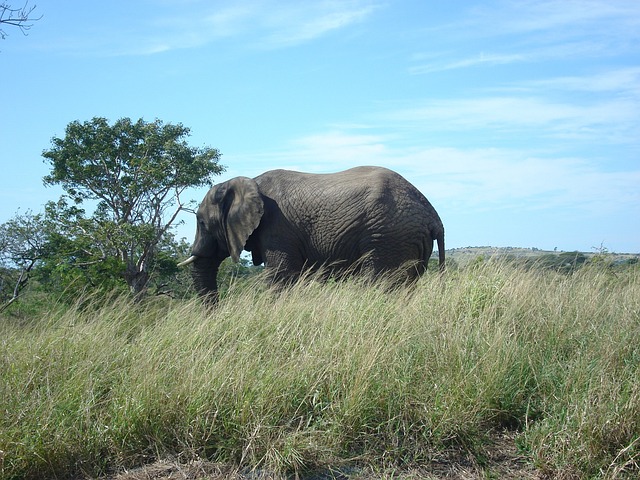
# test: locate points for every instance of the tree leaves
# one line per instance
(136, 171)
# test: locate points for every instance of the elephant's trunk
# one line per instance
(204, 274)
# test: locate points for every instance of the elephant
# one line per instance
(365, 219)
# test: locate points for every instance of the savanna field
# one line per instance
(492, 371)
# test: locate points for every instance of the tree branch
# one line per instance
(17, 17)
(22, 281)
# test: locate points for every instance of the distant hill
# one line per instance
(465, 255)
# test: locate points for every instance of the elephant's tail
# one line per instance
(441, 261)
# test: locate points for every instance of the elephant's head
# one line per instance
(229, 213)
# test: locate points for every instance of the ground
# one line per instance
(502, 461)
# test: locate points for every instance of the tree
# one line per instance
(63, 253)
(16, 17)
(137, 172)
(22, 244)
(77, 254)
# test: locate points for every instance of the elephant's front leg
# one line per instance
(282, 268)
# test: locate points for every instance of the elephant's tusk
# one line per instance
(188, 261)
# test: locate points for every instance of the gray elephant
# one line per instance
(368, 219)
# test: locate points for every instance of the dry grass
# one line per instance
(490, 370)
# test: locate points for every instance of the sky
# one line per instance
(518, 120)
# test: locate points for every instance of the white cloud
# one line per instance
(311, 20)
(613, 118)
(621, 80)
(503, 179)
(342, 146)
(482, 180)
(229, 21)
(257, 24)
(480, 59)
(564, 18)
(322, 152)
(535, 31)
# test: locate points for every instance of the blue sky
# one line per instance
(519, 120)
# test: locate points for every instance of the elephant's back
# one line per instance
(373, 191)
(343, 216)
(367, 197)
(345, 184)
(326, 194)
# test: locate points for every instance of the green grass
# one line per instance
(326, 373)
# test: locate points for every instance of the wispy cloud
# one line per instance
(611, 120)
(472, 179)
(625, 81)
(536, 31)
(543, 21)
(321, 152)
(558, 15)
(266, 24)
(310, 21)
(494, 179)
(603, 107)
(480, 59)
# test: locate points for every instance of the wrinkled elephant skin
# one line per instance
(368, 217)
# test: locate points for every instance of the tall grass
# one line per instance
(323, 373)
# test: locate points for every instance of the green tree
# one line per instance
(63, 253)
(77, 253)
(22, 245)
(136, 172)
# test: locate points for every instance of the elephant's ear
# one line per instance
(242, 210)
